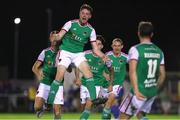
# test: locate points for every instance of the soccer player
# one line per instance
(147, 74)
(74, 35)
(45, 71)
(119, 61)
(98, 67)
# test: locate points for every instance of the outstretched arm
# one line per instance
(63, 30)
(60, 35)
(98, 52)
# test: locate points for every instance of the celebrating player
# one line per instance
(74, 35)
(119, 61)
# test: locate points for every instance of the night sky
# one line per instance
(114, 18)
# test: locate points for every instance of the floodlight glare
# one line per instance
(17, 20)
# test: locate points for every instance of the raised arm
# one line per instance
(63, 30)
(98, 52)
(60, 35)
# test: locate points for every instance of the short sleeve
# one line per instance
(67, 26)
(133, 54)
(41, 56)
(127, 58)
(162, 61)
(93, 36)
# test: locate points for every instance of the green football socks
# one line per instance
(91, 88)
(53, 91)
(85, 114)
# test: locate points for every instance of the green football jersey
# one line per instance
(105, 83)
(48, 57)
(97, 68)
(77, 36)
(119, 66)
(149, 58)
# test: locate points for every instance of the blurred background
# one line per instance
(23, 39)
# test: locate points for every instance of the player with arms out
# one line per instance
(45, 71)
(147, 74)
(74, 35)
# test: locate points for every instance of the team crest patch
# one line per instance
(85, 33)
(99, 62)
(120, 61)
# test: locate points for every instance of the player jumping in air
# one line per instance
(74, 35)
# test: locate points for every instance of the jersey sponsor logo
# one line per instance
(75, 37)
(116, 69)
(150, 83)
(94, 69)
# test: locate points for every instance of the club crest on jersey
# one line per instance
(120, 61)
(99, 62)
(85, 33)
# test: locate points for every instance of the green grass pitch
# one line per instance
(73, 116)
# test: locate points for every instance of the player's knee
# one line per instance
(57, 113)
(60, 72)
(140, 115)
(88, 104)
(110, 100)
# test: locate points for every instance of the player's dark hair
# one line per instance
(145, 29)
(100, 38)
(118, 40)
(86, 6)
